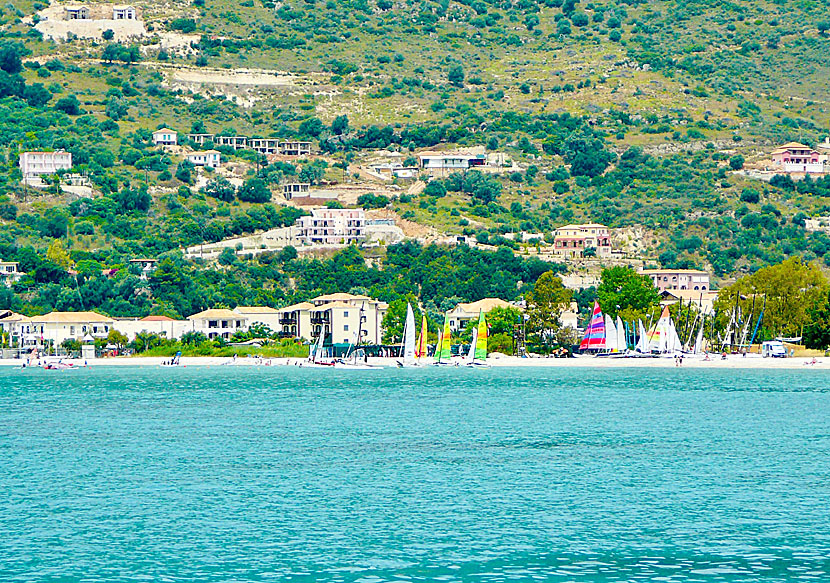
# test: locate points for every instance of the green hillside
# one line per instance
(629, 113)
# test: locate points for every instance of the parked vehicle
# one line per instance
(773, 348)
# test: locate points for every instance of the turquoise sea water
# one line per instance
(286, 474)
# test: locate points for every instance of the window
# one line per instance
(345, 314)
(345, 327)
(72, 330)
(212, 324)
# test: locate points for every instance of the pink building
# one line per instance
(798, 158)
(572, 240)
(678, 279)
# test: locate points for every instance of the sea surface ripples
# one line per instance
(287, 474)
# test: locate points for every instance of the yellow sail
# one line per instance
(481, 338)
(421, 347)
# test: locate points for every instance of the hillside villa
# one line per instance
(10, 272)
(165, 137)
(797, 158)
(573, 240)
(327, 226)
(678, 279)
(206, 158)
(36, 164)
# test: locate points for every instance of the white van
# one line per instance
(773, 348)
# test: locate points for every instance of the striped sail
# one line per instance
(595, 334)
(443, 351)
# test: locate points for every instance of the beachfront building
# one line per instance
(339, 316)
(463, 313)
(10, 272)
(678, 279)
(327, 226)
(799, 159)
(165, 326)
(218, 322)
(165, 137)
(295, 321)
(12, 328)
(206, 158)
(264, 315)
(573, 240)
(56, 327)
(703, 300)
(36, 164)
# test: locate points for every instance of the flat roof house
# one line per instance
(40, 163)
(207, 158)
(332, 227)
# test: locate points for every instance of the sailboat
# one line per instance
(421, 347)
(408, 340)
(315, 357)
(443, 350)
(477, 356)
(355, 358)
(663, 337)
(594, 338)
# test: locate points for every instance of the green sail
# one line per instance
(443, 351)
(481, 338)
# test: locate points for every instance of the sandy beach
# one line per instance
(715, 362)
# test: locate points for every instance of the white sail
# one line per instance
(610, 335)
(674, 340)
(699, 341)
(622, 341)
(642, 343)
(409, 336)
(471, 355)
(318, 348)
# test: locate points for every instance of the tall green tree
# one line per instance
(623, 289)
(545, 305)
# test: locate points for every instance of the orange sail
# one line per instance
(421, 347)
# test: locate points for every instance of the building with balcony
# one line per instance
(678, 279)
(56, 327)
(327, 226)
(264, 315)
(442, 162)
(264, 145)
(235, 142)
(218, 323)
(573, 240)
(35, 164)
(799, 159)
(339, 316)
(295, 321)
